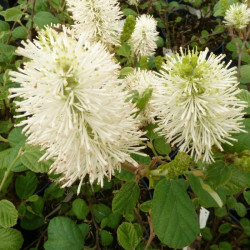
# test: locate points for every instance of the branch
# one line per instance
(32, 19)
(152, 233)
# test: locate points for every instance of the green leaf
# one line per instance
(4, 26)
(215, 196)
(206, 233)
(151, 134)
(106, 238)
(204, 33)
(43, 18)
(144, 98)
(231, 202)
(63, 234)
(138, 230)
(4, 157)
(218, 173)
(12, 14)
(127, 236)
(5, 126)
(53, 192)
(84, 228)
(231, 45)
(225, 228)
(6, 51)
(174, 218)
(126, 198)
(19, 32)
(37, 205)
(130, 216)
(16, 137)
(160, 42)
(124, 50)
(146, 206)
(246, 195)
(32, 221)
(161, 146)
(205, 198)
(240, 209)
(10, 239)
(127, 12)
(244, 95)
(243, 142)
(218, 29)
(125, 175)
(244, 72)
(142, 159)
(30, 159)
(112, 221)
(100, 212)
(80, 208)
(7, 182)
(8, 214)
(245, 223)
(126, 71)
(224, 245)
(238, 181)
(173, 4)
(221, 211)
(26, 185)
(18, 166)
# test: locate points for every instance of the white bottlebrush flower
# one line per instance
(238, 16)
(142, 80)
(75, 106)
(99, 19)
(198, 107)
(144, 37)
(133, 2)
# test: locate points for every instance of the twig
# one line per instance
(32, 19)
(13, 26)
(96, 227)
(129, 167)
(239, 50)
(6, 174)
(66, 199)
(149, 6)
(239, 239)
(137, 214)
(36, 240)
(152, 233)
(140, 170)
(3, 139)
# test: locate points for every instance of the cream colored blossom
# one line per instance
(144, 37)
(99, 19)
(198, 105)
(133, 2)
(238, 16)
(141, 81)
(74, 106)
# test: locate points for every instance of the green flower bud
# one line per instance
(144, 62)
(158, 62)
(128, 28)
(243, 161)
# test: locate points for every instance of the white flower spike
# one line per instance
(141, 80)
(144, 37)
(98, 19)
(238, 16)
(198, 107)
(75, 107)
(133, 2)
